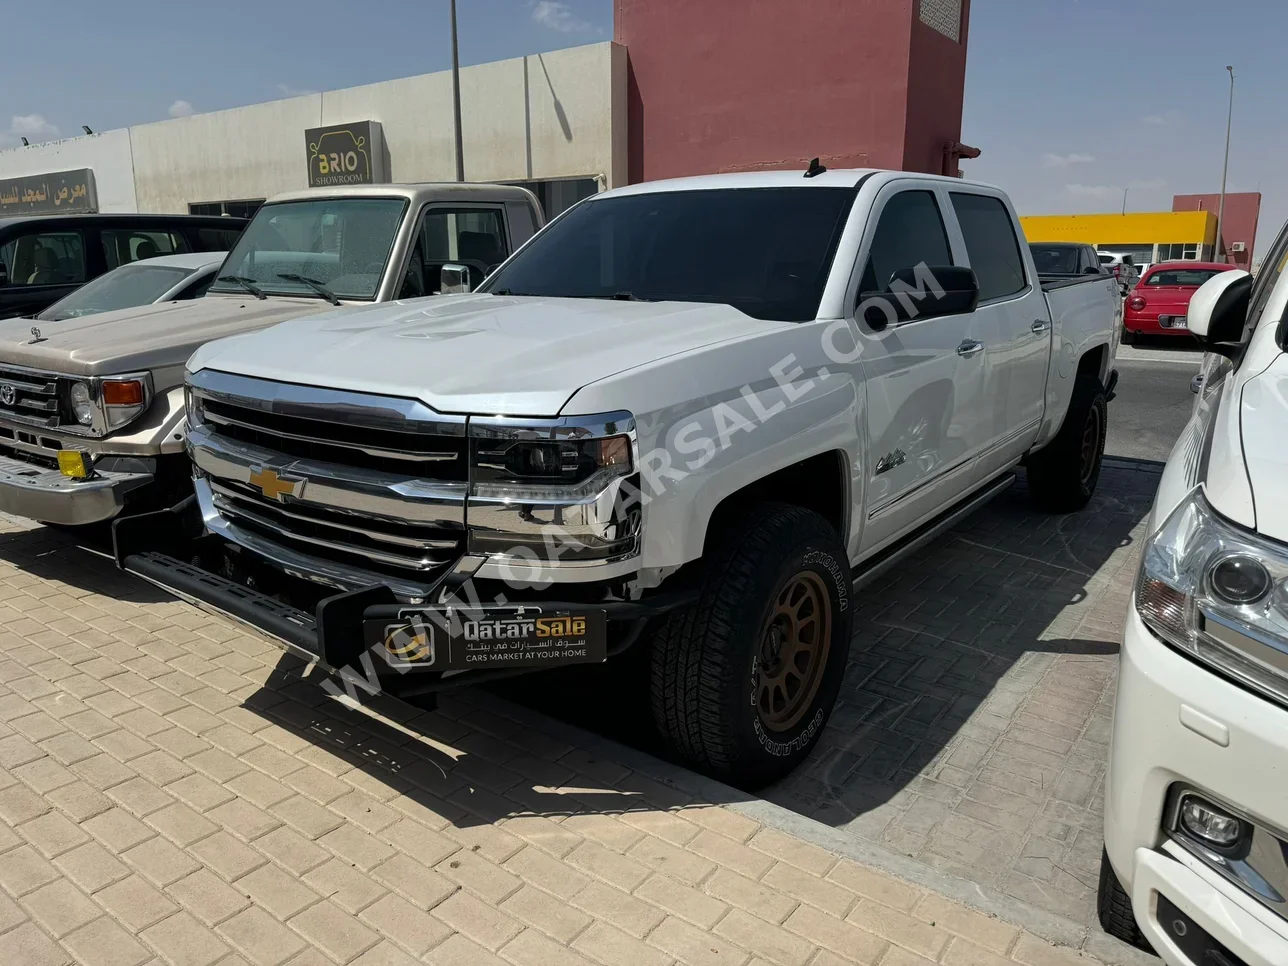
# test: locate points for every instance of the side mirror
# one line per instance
(453, 279)
(924, 292)
(1218, 311)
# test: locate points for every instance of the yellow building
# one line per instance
(1151, 236)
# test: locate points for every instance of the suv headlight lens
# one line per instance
(105, 403)
(545, 490)
(1219, 593)
(82, 405)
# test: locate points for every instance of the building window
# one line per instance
(558, 196)
(235, 209)
(944, 16)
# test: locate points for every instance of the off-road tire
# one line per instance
(1063, 475)
(1113, 906)
(706, 658)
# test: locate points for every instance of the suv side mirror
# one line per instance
(1218, 312)
(924, 292)
(453, 279)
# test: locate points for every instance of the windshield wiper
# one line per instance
(312, 283)
(246, 283)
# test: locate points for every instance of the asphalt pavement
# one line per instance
(1153, 400)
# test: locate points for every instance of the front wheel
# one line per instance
(1113, 908)
(1063, 475)
(743, 680)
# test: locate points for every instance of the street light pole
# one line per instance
(1125, 190)
(456, 99)
(1225, 170)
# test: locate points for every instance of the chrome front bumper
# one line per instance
(29, 490)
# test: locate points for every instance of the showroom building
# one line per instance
(680, 90)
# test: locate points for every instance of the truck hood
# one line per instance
(146, 337)
(521, 356)
(1263, 417)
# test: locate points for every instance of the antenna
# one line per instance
(815, 169)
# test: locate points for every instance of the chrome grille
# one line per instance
(391, 543)
(30, 397)
(375, 486)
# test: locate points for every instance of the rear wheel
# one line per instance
(743, 680)
(1063, 475)
(1113, 907)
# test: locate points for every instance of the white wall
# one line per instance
(246, 152)
(108, 154)
(546, 116)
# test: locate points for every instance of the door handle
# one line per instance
(970, 347)
(1039, 326)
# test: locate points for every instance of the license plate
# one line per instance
(1172, 321)
(460, 640)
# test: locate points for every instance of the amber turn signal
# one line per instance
(123, 393)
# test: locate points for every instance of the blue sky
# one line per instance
(1071, 100)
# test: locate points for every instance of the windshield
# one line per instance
(341, 243)
(764, 251)
(1183, 276)
(1055, 259)
(123, 288)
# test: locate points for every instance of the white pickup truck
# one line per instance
(695, 415)
(1196, 792)
(91, 409)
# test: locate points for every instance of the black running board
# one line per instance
(872, 568)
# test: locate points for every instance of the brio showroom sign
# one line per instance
(343, 154)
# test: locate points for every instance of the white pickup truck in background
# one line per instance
(693, 415)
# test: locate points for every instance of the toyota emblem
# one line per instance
(8, 395)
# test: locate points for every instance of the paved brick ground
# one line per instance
(171, 790)
(973, 726)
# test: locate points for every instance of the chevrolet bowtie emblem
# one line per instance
(274, 487)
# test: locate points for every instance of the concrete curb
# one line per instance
(1054, 929)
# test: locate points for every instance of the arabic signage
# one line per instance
(343, 154)
(45, 194)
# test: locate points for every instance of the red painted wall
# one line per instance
(936, 82)
(718, 85)
(1242, 211)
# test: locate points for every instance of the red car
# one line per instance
(1158, 303)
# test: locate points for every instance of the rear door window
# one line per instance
(121, 246)
(44, 258)
(992, 245)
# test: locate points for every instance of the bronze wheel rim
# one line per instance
(1090, 445)
(794, 648)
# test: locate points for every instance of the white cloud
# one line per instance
(1064, 160)
(557, 16)
(1093, 190)
(33, 127)
(286, 90)
(1150, 184)
(1166, 119)
(181, 108)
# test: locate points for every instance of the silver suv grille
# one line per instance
(30, 397)
(371, 487)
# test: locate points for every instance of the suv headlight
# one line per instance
(561, 489)
(1220, 594)
(104, 403)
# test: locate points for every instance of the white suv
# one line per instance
(1123, 265)
(1196, 796)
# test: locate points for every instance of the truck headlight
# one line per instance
(560, 488)
(1220, 594)
(105, 403)
(82, 405)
